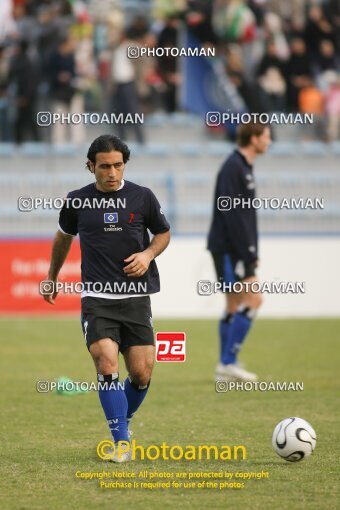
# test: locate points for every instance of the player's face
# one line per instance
(109, 170)
(262, 142)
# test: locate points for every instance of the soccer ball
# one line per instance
(294, 439)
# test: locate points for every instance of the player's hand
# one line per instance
(138, 264)
(48, 290)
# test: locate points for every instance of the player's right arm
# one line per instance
(61, 246)
(68, 228)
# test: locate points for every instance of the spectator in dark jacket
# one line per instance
(271, 80)
(23, 75)
(299, 71)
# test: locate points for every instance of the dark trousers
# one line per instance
(125, 101)
(25, 127)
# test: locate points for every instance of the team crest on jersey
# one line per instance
(111, 217)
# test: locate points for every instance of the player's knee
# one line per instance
(255, 301)
(233, 303)
(105, 356)
(141, 377)
(258, 301)
(104, 364)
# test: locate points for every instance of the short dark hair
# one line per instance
(107, 143)
(246, 131)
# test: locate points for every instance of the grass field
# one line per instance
(46, 438)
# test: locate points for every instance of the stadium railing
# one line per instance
(183, 177)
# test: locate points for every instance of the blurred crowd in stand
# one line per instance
(71, 56)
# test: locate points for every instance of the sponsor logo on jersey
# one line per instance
(111, 217)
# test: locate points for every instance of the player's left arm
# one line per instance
(155, 221)
(138, 263)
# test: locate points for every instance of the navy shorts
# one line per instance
(127, 321)
(229, 269)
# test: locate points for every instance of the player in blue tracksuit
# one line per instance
(113, 217)
(233, 241)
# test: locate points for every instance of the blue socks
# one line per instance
(243, 319)
(135, 395)
(115, 406)
(120, 402)
(225, 330)
(233, 330)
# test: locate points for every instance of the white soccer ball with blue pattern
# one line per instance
(294, 439)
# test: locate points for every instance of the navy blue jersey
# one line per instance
(112, 226)
(235, 230)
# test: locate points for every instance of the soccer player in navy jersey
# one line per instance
(233, 243)
(118, 258)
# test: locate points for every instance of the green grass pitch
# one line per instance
(46, 438)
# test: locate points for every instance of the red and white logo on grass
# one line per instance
(170, 346)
